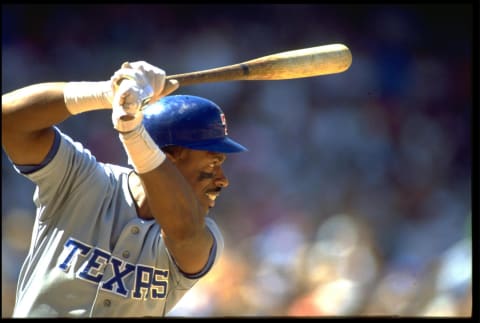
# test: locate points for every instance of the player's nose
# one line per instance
(220, 179)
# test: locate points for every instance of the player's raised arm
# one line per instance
(172, 200)
(29, 113)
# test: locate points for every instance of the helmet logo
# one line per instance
(224, 123)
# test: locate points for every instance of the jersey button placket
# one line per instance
(134, 230)
(107, 303)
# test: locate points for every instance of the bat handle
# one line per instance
(219, 74)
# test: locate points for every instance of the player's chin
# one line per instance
(207, 205)
(210, 204)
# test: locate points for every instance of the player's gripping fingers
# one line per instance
(131, 89)
(155, 76)
(150, 79)
(123, 122)
(128, 97)
(130, 74)
(127, 104)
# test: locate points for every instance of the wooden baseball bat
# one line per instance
(307, 62)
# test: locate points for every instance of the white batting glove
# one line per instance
(135, 85)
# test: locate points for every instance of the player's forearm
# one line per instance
(40, 106)
(172, 202)
(175, 207)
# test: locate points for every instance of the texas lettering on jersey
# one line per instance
(149, 282)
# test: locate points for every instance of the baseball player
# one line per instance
(112, 241)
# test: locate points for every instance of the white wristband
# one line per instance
(143, 153)
(87, 96)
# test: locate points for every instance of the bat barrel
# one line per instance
(307, 62)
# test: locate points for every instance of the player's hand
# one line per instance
(135, 85)
(155, 77)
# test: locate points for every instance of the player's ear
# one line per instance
(174, 153)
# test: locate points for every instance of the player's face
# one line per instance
(203, 170)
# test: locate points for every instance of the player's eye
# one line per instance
(205, 175)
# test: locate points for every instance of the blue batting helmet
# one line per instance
(189, 121)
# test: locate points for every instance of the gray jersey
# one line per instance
(90, 254)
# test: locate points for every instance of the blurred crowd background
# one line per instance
(354, 198)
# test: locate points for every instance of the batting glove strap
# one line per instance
(143, 153)
(81, 97)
